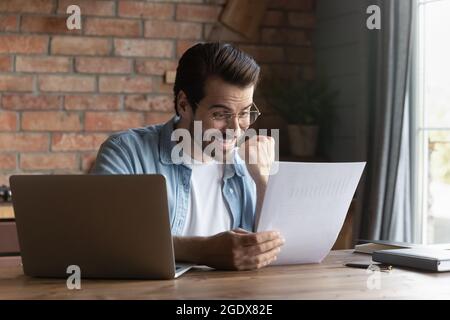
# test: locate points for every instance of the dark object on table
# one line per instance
(5, 194)
(370, 266)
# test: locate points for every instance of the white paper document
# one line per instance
(308, 203)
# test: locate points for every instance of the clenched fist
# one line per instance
(258, 152)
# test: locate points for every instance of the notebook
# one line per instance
(437, 260)
(370, 246)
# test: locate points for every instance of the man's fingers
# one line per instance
(257, 238)
(263, 247)
(261, 260)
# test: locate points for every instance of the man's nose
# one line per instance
(234, 125)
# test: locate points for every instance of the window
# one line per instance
(433, 121)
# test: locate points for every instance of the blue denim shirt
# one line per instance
(148, 151)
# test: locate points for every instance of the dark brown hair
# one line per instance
(213, 59)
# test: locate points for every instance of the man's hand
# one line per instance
(231, 250)
(259, 155)
(258, 152)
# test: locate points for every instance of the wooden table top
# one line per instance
(328, 280)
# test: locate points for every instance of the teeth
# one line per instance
(222, 139)
(226, 141)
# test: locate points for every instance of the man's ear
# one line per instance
(183, 107)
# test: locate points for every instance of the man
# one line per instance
(212, 205)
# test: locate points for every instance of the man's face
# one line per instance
(221, 97)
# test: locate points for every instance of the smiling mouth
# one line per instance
(227, 141)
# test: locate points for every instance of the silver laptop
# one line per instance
(110, 226)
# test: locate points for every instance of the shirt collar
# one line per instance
(165, 143)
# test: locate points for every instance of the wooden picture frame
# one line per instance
(244, 16)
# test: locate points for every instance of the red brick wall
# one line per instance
(62, 92)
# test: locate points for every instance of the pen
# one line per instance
(383, 267)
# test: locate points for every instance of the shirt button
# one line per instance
(231, 191)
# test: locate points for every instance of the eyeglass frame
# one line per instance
(237, 114)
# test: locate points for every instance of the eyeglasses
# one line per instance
(246, 118)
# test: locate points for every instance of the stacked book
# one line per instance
(435, 257)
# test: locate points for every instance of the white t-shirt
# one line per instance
(208, 213)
